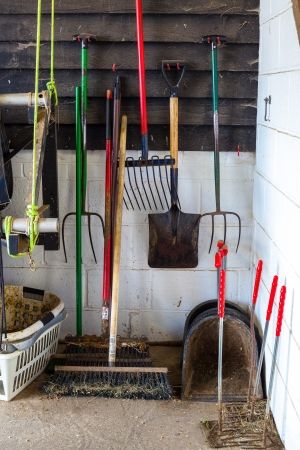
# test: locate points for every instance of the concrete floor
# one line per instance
(33, 421)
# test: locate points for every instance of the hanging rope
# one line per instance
(32, 210)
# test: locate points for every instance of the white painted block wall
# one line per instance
(277, 201)
(153, 302)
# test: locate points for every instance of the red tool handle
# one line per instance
(218, 259)
(220, 244)
(280, 310)
(108, 205)
(272, 297)
(221, 306)
(142, 82)
(257, 281)
(224, 250)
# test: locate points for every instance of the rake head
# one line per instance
(224, 214)
(88, 215)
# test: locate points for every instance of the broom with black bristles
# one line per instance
(125, 377)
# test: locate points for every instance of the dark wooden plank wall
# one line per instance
(173, 30)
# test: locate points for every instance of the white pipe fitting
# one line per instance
(45, 225)
(22, 99)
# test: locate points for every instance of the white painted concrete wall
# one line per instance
(277, 201)
(153, 302)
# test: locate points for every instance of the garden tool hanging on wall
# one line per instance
(139, 192)
(252, 329)
(214, 41)
(81, 146)
(22, 234)
(220, 264)
(173, 236)
(274, 360)
(264, 342)
(107, 254)
(81, 175)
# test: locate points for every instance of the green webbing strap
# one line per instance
(51, 86)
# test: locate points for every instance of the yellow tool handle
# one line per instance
(174, 130)
(117, 245)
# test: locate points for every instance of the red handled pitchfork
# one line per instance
(264, 341)
(219, 264)
(252, 330)
(274, 357)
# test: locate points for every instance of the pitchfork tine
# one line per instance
(212, 231)
(225, 228)
(90, 231)
(63, 233)
(90, 237)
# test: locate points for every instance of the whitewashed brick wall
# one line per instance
(153, 302)
(277, 201)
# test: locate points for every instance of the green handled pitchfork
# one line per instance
(81, 175)
(214, 41)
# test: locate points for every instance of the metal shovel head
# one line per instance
(173, 239)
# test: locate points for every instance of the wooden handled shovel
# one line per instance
(173, 236)
(117, 246)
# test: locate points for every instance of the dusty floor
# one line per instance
(32, 421)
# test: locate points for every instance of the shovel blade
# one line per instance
(173, 240)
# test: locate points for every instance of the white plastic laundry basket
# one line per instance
(27, 352)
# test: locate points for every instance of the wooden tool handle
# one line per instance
(174, 130)
(117, 245)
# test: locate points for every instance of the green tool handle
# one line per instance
(78, 213)
(84, 104)
(215, 90)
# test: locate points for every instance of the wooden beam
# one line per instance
(114, 28)
(127, 7)
(191, 138)
(196, 84)
(233, 57)
(191, 112)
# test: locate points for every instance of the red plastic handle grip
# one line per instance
(280, 310)
(224, 250)
(257, 281)
(272, 296)
(221, 309)
(218, 260)
(220, 244)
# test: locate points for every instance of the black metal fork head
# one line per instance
(89, 215)
(224, 214)
(173, 72)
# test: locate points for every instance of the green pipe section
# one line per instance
(84, 103)
(214, 68)
(215, 96)
(78, 213)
